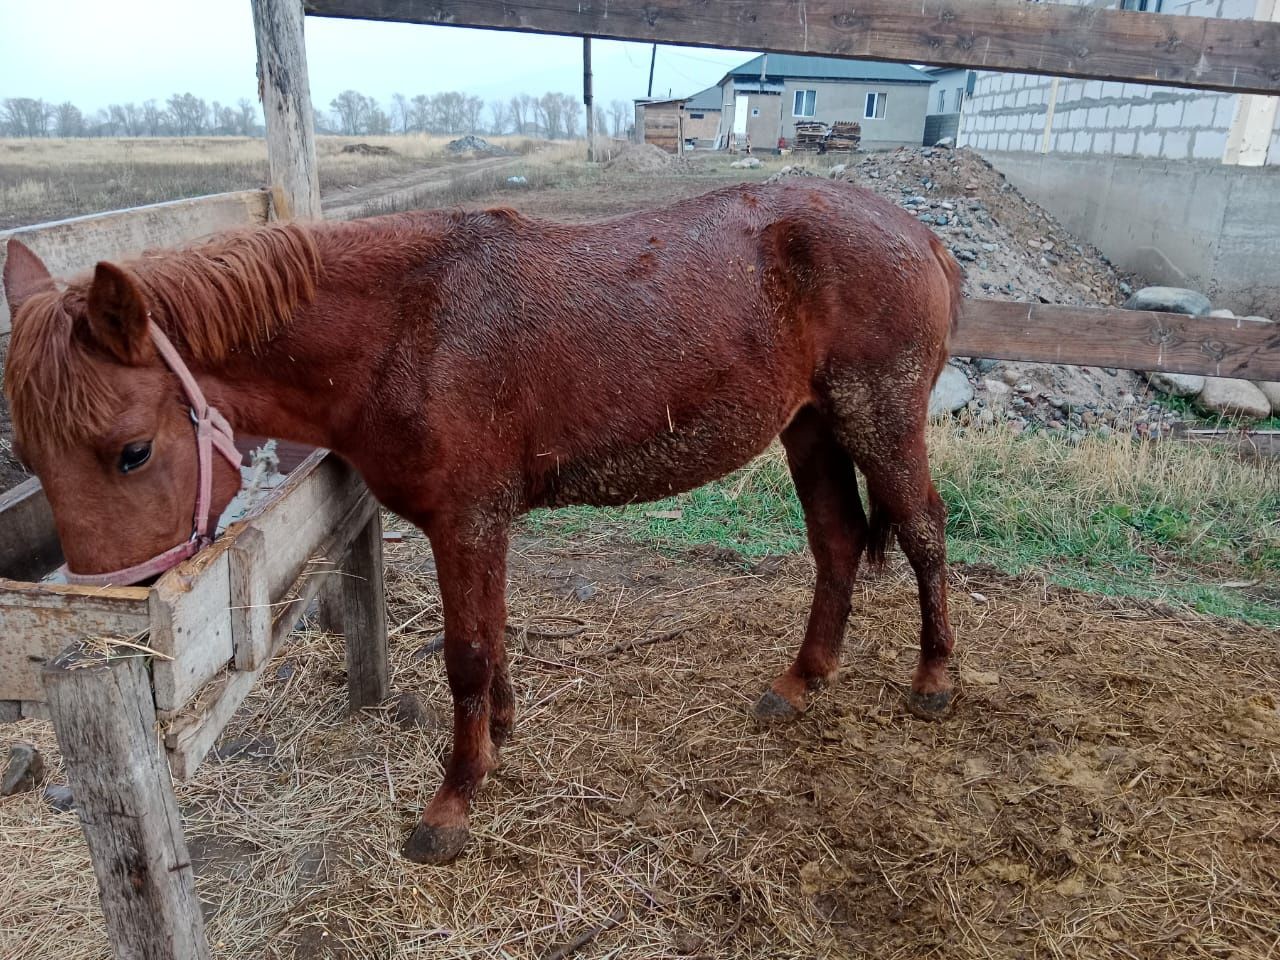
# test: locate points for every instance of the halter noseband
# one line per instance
(212, 430)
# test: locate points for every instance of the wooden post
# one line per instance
(285, 92)
(588, 99)
(353, 604)
(1048, 116)
(105, 723)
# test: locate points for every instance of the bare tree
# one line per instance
(471, 108)
(25, 117)
(188, 114)
(153, 118)
(246, 117)
(573, 111)
(618, 112)
(69, 120)
(497, 116)
(400, 112)
(351, 110)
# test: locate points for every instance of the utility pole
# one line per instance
(588, 100)
(653, 58)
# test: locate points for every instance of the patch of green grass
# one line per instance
(1185, 524)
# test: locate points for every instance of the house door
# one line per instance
(741, 112)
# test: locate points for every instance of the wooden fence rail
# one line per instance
(70, 246)
(1012, 35)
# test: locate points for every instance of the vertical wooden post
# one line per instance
(1249, 138)
(285, 92)
(1048, 116)
(354, 605)
(589, 100)
(105, 722)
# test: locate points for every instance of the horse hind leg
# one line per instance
(887, 443)
(827, 486)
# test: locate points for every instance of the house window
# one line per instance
(696, 116)
(959, 99)
(1142, 6)
(875, 106)
(805, 104)
(942, 101)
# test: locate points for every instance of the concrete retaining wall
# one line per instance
(1199, 224)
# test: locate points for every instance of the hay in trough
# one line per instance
(1109, 786)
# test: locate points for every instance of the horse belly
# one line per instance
(671, 461)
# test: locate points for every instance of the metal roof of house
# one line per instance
(828, 68)
(708, 99)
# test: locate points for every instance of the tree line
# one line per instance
(182, 115)
(553, 115)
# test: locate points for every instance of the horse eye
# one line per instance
(134, 455)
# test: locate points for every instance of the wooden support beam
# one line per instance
(1012, 35)
(1109, 337)
(353, 604)
(285, 92)
(588, 99)
(106, 729)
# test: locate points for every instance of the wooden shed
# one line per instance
(661, 122)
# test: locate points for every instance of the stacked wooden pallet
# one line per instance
(844, 135)
(841, 135)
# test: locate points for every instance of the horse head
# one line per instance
(107, 423)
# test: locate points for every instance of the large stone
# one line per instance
(25, 770)
(951, 393)
(1237, 399)
(1169, 300)
(1271, 390)
(1176, 384)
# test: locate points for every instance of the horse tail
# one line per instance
(880, 532)
(955, 283)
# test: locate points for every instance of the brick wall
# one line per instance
(1007, 112)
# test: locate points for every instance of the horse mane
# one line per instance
(233, 292)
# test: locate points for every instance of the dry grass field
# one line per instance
(1109, 785)
(42, 180)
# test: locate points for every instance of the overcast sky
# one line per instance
(95, 52)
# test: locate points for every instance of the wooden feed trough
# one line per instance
(140, 681)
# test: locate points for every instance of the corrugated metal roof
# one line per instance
(829, 68)
(708, 99)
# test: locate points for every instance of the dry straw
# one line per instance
(1110, 785)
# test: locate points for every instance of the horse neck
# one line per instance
(312, 382)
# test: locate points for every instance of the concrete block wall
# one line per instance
(1009, 111)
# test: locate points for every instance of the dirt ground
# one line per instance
(1108, 786)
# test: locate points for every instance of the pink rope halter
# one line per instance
(212, 430)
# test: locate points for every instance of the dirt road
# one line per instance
(409, 189)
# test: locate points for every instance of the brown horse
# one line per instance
(473, 366)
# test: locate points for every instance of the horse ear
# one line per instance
(24, 274)
(117, 315)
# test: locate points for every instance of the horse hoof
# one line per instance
(774, 708)
(930, 706)
(436, 845)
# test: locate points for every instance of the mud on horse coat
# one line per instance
(473, 366)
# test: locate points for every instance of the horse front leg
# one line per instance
(471, 564)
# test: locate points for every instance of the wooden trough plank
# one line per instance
(192, 621)
(38, 621)
(29, 545)
(71, 246)
(105, 724)
(191, 735)
(1110, 337)
(1012, 35)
